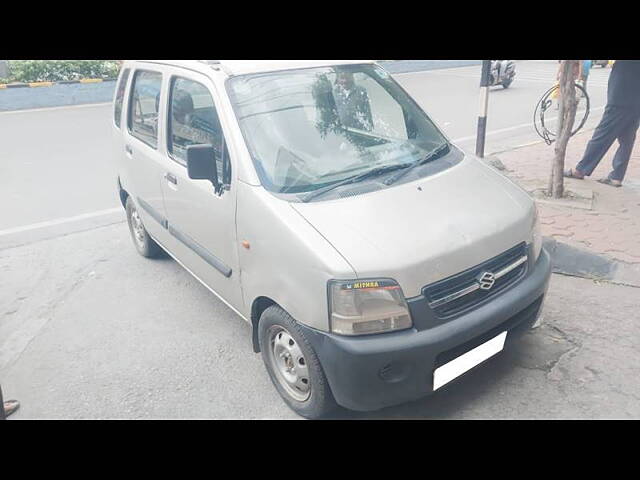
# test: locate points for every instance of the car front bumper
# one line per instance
(372, 372)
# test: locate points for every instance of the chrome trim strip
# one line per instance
(472, 288)
(508, 268)
(453, 296)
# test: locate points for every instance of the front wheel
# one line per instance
(293, 366)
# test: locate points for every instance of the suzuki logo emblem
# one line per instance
(487, 280)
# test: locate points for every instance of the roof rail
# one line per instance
(216, 65)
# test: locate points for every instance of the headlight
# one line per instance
(536, 243)
(362, 307)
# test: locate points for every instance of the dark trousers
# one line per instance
(618, 123)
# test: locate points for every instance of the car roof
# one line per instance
(242, 67)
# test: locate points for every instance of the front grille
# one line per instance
(514, 325)
(437, 294)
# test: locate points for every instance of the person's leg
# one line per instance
(626, 140)
(603, 137)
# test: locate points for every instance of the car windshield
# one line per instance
(310, 128)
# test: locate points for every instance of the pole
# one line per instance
(484, 104)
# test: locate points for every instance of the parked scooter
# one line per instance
(502, 72)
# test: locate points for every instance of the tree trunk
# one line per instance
(566, 119)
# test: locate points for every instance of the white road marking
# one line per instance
(508, 129)
(60, 221)
(48, 109)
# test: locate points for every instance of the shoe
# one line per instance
(573, 173)
(10, 406)
(612, 183)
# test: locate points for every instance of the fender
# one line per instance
(287, 261)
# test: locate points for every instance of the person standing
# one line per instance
(585, 69)
(352, 102)
(620, 121)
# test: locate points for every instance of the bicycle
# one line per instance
(544, 104)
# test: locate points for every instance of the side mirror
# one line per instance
(201, 164)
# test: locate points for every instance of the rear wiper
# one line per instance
(357, 178)
(427, 158)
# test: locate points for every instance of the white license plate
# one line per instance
(456, 367)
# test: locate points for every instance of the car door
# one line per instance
(144, 160)
(201, 220)
(119, 126)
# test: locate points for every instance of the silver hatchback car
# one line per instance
(375, 261)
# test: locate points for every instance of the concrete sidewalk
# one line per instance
(598, 226)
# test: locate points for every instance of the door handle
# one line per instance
(129, 150)
(171, 178)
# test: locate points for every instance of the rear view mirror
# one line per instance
(201, 164)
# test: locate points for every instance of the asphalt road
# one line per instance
(451, 97)
(54, 164)
(88, 329)
(406, 66)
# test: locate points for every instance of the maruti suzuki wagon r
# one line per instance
(374, 260)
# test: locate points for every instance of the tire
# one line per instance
(276, 332)
(145, 245)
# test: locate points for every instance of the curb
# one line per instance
(569, 260)
(30, 96)
(49, 84)
(576, 262)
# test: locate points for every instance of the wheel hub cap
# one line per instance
(138, 229)
(289, 363)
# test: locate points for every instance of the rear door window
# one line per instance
(144, 105)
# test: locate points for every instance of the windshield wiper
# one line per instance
(430, 156)
(357, 178)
